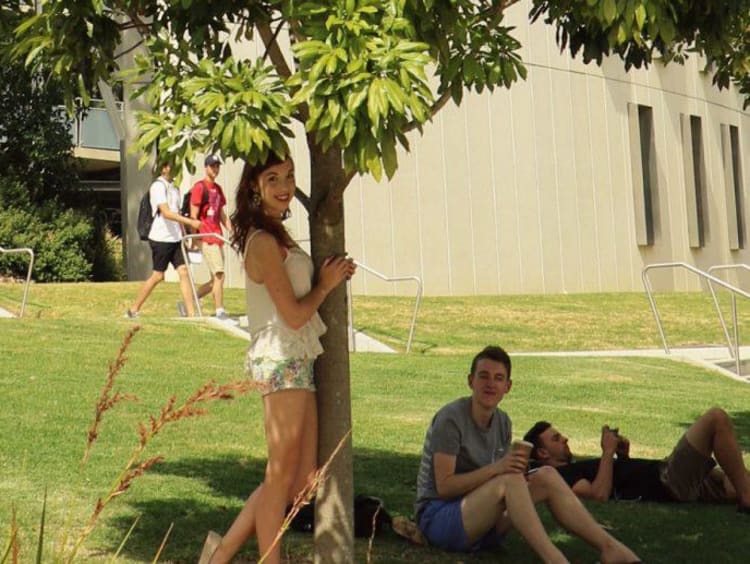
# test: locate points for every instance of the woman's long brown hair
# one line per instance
(247, 217)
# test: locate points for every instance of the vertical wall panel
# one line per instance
(479, 144)
(526, 171)
(566, 184)
(508, 227)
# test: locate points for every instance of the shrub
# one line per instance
(60, 245)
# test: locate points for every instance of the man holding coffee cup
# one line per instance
(473, 487)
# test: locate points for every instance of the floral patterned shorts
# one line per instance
(288, 374)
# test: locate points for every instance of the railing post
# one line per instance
(28, 273)
(711, 279)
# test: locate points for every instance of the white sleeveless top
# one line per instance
(271, 337)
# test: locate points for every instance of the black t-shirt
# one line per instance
(632, 479)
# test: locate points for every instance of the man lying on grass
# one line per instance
(688, 474)
(472, 487)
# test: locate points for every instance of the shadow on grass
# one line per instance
(658, 532)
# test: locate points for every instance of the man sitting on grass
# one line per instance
(472, 486)
(688, 474)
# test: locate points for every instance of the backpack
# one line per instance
(185, 209)
(145, 216)
(370, 517)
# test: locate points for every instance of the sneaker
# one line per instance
(181, 311)
(132, 314)
(222, 316)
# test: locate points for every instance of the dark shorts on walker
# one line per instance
(441, 523)
(164, 253)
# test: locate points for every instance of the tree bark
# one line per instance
(134, 181)
(334, 524)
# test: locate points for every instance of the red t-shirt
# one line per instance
(210, 214)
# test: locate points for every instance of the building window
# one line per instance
(644, 171)
(695, 179)
(730, 148)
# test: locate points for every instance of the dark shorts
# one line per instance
(164, 253)
(442, 525)
(687, 475)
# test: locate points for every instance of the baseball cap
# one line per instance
(211, 160)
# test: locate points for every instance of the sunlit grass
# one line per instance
(54, 363)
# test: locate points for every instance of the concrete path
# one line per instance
(715, 358)
(238, 328)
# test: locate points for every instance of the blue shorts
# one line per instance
(441, 523)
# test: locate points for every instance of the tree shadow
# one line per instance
(654, 531)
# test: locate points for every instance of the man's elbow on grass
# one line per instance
(585, 490)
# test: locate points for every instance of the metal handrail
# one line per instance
(708, 277)
(711, 270)
(186, 258)
(417, 301)
(28, 273)
(417, 279)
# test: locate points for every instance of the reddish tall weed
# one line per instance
(169, 413)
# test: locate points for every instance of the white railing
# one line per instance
(418, 297)
(711, 271)
(734, 348)
(28, 273)
(188, 238)
(417, 301)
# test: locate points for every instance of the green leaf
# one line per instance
(609, 10)
(390, 160)
(667, 31)
(373, 102)
(227, 136)
(640, 16)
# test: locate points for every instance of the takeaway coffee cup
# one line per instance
(522, 446)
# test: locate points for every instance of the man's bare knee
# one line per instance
(505, 482)
(545, 480)
(718, 418)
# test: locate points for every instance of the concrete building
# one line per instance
(571, 181)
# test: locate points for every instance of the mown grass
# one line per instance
(54, 363)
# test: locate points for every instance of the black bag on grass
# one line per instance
(368, 511)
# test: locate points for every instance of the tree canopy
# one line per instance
(361, 73)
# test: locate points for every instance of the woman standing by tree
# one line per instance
(282, 309)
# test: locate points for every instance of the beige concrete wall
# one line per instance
(530, 190)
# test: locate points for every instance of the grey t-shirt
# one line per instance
(454, 432)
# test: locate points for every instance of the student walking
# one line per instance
(207, 203)
(165, 239)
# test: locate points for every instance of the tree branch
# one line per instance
(272, 49)
(446, 96)
(436, 107)
(129, 49)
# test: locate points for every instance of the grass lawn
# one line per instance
(53, 365)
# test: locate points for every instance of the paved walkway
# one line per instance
(713, 358)
(362, 342)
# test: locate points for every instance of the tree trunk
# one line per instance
(134, 181)
(334, 538)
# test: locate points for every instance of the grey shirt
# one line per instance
(454, 432)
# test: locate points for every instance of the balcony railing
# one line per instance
(94, 130)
